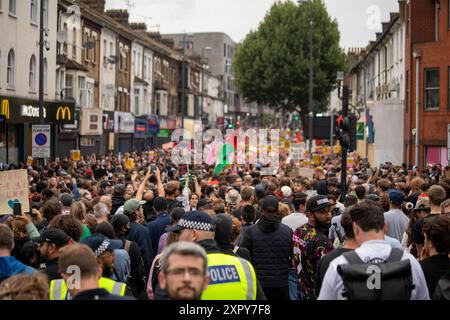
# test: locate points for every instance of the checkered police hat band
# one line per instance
(197, 225)
(102, 248)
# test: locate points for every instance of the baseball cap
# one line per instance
(160, 203)
(270, 202)
(423, 204)
(99, 244)
(396, 196)
(195, 220)
(233, 197)
(66, 199)
(287, 191)
(55, 236)
(132, 205)
(317, 203)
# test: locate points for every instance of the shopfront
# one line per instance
(140, 134)
(108, 132)
(67, 138)
(18, 117)
(91, 132)
(124, 131)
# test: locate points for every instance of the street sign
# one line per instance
(360, 131)
(41, 141)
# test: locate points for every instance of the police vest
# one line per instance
(58, 288)
(232, 278)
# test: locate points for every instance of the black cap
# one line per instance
(270, 203)
(66, 199)
(160, 204)
(55, 236)
(119, 188)
(317, 203)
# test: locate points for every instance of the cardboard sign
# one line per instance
(13, 188)
(295, 153)
(75, 155)
(306, 172)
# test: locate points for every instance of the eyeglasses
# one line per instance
(180, 272)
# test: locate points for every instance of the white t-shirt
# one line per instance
(295, 220)
(333, 286)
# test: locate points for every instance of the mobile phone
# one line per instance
(152, 168)
(17, 209)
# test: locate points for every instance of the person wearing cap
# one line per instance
(321, 183)
(50, 242)
(138, 233)
(270, 245)
(118, 197)
(232, 199)
(311, 243)
(157, 227)
(397, 222)
(90, 284)
(420, 211)
(66, 201)
(232, 278)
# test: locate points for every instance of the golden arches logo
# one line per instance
(5, 108)
(62, 112)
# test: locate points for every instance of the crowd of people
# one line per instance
(101, 230)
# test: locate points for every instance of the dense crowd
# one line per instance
(100, 229)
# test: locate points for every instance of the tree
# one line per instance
(272, 63)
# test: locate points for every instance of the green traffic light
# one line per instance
(296, 118)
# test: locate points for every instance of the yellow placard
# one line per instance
(129, 164)
(30, 160)
(336, 149)
(75, 155)
(317, 159)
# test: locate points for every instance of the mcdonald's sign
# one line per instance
(63, 113)
(5, 111)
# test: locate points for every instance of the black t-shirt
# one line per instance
(434, 268)
(99, 173)
(323, 265)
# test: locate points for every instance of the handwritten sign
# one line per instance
(306, 172)
(13, 188)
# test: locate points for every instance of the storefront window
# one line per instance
(9, 151)
(436, 155)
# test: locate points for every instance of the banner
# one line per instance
(13, 188)
(75, 155)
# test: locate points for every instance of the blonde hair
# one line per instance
(78, 211)
(283, 210)
(25, 287)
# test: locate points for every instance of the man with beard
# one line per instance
(184, 271)
(50, 242)
(310, 243)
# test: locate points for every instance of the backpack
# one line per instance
(361, 283)
(442, 291)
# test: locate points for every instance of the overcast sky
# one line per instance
(358, 20)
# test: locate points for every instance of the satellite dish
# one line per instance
(61, 36)
(89, 45)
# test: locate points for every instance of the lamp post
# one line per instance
(311, 77)
(183, 80)
(203, 78)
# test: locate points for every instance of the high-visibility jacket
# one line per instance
(232, 278)
(58, 288)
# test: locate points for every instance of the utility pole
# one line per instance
(311, 84)
(345, 97)
(183, 83)
(41, 63)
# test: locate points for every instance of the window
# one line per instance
(134, 62)
(145, 68)
(136, 101)
(74, 43)
(65, 42)
(432, 88)
(225, 50)
(69, 87)
(138, 71)
(12, 7)
(82, 91)
(448, 94)
(94, 48)
(10, 77)
(105, 58)
(45, 10)
(90, 94)
(44, 75)
(32, 74)
(33, 11)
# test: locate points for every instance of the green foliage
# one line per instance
(272, 63)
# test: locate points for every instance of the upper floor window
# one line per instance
(432, 88)
(10, 77)
(32, 74)
(45, 9)
(33, 11)
(12, 7)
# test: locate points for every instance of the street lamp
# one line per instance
(311, 76)
(183, 79)
(208, 49)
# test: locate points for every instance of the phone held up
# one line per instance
(17, 209)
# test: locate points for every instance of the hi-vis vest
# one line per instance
(58, 288)
(232, 278)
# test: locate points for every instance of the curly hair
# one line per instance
(69, 225)
(25, 287)
(17, 225)
(437, 230)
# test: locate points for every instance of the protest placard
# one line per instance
(13, 188)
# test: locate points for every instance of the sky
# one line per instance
(358, 20)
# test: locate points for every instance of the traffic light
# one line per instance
(296, 117)
(347, 132)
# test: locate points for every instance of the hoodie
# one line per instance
(117, 201)
(9, 266)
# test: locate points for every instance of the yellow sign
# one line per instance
(5, 109)
(62, 112)
(30, 160)
(336, 149)
(129, 164)
(306, 162)
(326, 151)
(317, 159)
(75, 155)
(287, 145)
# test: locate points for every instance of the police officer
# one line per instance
(82, 279)
(232, 278)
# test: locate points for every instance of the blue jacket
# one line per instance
(9, 266)
(157, 228)
(139, 234)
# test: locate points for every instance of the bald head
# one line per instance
(106, 200)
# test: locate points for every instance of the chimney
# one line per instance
(138, 26)
(120, 16)
(97, 5)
